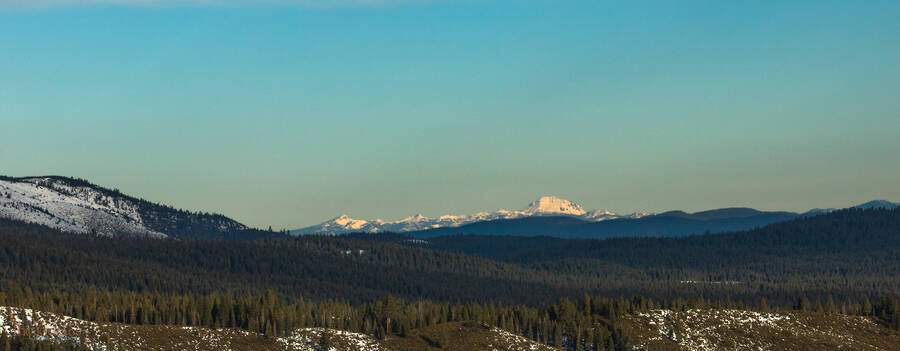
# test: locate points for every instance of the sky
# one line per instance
(288, 113)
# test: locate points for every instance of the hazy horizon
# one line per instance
(291, 113)
(413, 213)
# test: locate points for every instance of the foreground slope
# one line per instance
(59, 329)
(55, 328)
(708, 329)
(661, 329)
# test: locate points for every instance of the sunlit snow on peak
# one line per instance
(554, 205)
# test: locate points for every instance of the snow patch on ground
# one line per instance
(312, 339)
(506, 341)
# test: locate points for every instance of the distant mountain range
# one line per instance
(544, 206)
(668, 224)
(552, 216)
(77, 206)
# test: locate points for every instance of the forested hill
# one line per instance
(669, 224)
(316, 267)
(848, 251)
(849, 231)
(78, 206)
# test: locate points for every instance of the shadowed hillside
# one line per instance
(667, 224)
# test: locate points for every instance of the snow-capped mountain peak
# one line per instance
(347, 222)
(554, 205)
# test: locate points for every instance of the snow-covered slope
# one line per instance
(544, 206)
(70, 208)
(599, 215)
(77, 206)
(553, 205)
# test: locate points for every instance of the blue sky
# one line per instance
(287, 113)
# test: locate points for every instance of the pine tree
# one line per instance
(803, 304)
(379, 332)
(830, 306)
(867, 308)
(557, 337)
(597, 340)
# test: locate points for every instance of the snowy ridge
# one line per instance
(544, 206)
(78, 209)
(77, 206)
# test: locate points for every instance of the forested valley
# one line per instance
(545, 289)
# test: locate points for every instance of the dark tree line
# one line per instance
(851, 254)
(314, 266)
(588, 323)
